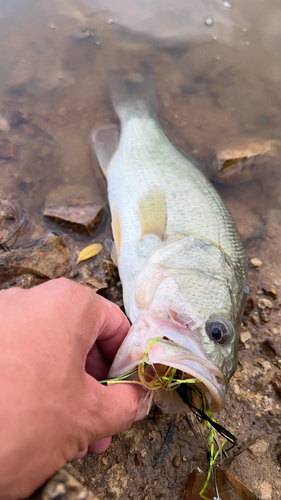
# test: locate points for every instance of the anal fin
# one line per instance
(152, 212)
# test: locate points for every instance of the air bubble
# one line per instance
(218, 58)
(226, 4)
(110, 21)
(209, 21)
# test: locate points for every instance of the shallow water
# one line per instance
(217, 71)
(218, 85)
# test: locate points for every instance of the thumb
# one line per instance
(113, 409)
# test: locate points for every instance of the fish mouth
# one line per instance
(171, 345)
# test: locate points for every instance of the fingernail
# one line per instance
(144, 407)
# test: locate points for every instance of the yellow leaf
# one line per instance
(89, 252)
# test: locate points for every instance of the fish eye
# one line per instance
(219, 331)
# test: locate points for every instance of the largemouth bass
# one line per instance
(177, 248)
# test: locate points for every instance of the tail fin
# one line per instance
(132, 94)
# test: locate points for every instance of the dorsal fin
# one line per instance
(104, 142)
(152, 212)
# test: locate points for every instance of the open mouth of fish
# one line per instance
(170, 345)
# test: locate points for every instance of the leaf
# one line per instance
(89, 252)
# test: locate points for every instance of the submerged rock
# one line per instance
(49, 259)
(74, 207)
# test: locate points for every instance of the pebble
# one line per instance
(85, 272)
(245, 336)
(270, 291)
(254, 317)
(259, 448)
(279, 363)
(255, 262)
(264, 303)
(265, 491)
(176, 461)
(108, 267)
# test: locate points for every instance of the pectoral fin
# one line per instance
(152, 212)
(104, 143)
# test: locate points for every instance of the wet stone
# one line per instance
(264, 303)
(63, 485)
(95, 283)
(47, 260)
(7, 150)
(176, 461)
(81, 218)
(254, 317)
(85, 272)
(245, 336)
(75, 208)
(255, 262)
(270, 291)
(265, 315)
(108, 267)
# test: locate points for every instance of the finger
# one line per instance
(96, 364)
(112, 409)
(100, 446)
(81, 454)
(114, 327)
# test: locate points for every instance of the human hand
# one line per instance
(51, 408)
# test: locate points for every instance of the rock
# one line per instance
(259, 448)
(255, 262)
(49, 259)
(276, 382)
(270, 291)
(176, 461)
(81, 218)
(63, 485)
(265, 306)
(6, 150)
(108, 267)
(265, 315)
(85, 272)
(265, 491)
(244, 336)
(95, 283)
(74, 207)
(254, 317)
(264, 303)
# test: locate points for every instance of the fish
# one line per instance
(178, 251)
